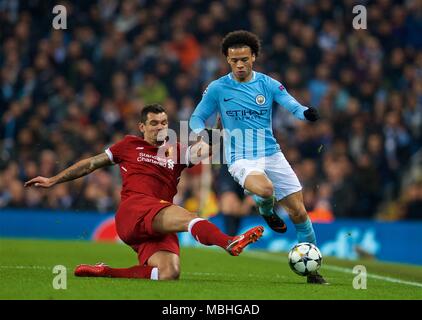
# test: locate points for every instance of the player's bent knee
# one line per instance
(266, 191)
(169, 273)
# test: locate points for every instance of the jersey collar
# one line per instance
(252, 79)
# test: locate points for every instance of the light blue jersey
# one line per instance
(246, 114)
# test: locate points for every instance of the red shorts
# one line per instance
(134, 226)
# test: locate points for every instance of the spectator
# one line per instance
(413, 201)
(63, 94)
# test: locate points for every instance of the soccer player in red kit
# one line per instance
(146, 219)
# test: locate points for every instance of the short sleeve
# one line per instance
(116, 151)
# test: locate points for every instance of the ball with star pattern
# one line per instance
(305, 258)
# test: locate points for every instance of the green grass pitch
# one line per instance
(26, 272)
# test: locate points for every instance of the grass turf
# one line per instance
(26, 272)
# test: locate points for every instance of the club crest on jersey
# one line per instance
(260, 99)
(169, 152)
(170, 164)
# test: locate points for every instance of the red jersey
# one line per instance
(147, 169)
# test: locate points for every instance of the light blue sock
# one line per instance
(305, 232)
(265, 205)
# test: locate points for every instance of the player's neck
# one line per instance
(247, 79)
(155, 143)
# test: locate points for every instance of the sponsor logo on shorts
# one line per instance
(242, 172)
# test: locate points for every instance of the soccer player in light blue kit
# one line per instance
(244, 99)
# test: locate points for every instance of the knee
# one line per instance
(188, 219)
(169, 272)
(298, 214)
(266, 190)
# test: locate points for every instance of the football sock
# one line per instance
(265, 205)
(207, 233)
(146, 272)
(305, 232)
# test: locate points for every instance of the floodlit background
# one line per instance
(69, 94)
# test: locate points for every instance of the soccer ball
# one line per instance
(305, 258)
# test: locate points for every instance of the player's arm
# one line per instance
(206, 107)
(79, 169)
(283, 98)
(207, 144)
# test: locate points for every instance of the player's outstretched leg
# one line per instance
(103, 270)
(208, 234)
(177, 219)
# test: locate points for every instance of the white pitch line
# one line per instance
(264, 256)
(26, 267)
(374, 276)
(250, 275)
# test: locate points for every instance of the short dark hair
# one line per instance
(241, 38)
(151, 108)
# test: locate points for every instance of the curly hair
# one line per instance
(240, 38)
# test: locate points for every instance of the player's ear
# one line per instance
(141, 127)
(253, 57)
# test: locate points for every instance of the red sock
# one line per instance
(208, 234)
(132, 272)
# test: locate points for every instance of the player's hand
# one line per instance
(206, 136)
(40, 182)
(311, 114)
(218, 124)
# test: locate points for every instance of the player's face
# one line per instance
(155, 127)
(241, 61)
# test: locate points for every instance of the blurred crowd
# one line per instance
(69, 94)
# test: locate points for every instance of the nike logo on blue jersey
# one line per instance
(225, 100)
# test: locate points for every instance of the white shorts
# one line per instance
(275, 167)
